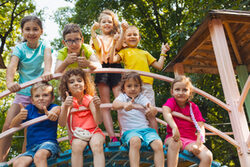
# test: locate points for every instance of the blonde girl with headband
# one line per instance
(181, 134)
(104, 45)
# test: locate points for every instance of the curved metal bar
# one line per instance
(119, 70)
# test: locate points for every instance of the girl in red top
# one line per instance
(81, 109)
(180, 132)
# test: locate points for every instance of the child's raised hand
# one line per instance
(71, 58)
(23, 112)
(165, 48)
(13, 87)
(116, 37)
(69, 100)
(124, 25)
(51, 115)
(129, 105)
(95, 26)
(151, 111)
(97, 102)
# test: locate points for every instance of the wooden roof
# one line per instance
(197, 55)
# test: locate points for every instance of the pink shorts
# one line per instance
(184, 141)
(24, 100)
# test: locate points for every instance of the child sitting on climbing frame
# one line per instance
(77, 91)
(134, 123)
(185, 137)
(75, 53)
(41, 137)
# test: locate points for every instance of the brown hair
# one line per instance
(186, 80)
(130, 75)
(43, 85)
(71, 28)
(114, 19)
(31, 18)
(88, 81)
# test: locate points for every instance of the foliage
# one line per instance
(11, 12)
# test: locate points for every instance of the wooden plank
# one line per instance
(230, 88)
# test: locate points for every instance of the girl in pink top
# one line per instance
(77, 91)
(184, 136)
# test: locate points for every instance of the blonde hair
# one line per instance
(186, 80)
(42, 85)
(114, 19)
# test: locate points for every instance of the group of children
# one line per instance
(80, 110)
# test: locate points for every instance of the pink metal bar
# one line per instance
(244, 93)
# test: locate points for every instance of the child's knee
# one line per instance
(135, 142)
(157, 145)
(172, 145)
(206, 156)
(97, 146)
(41, 156)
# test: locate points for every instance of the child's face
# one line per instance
(76, 85)
(106, 24)
(132, 37)
(181, 92)
(42, 97)
(73, 41)
(132, 88)
(31, 31)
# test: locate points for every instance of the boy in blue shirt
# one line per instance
(41, 137)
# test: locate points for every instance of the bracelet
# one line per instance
(163, 54)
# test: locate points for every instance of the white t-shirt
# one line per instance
(133, 119)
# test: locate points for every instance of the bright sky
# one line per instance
(49, 26)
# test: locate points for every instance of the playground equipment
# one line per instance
(209, 50)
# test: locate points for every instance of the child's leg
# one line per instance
(157, 146)
(134, 151)
(104, 92)
(23, 161)
(40, 158)
(78, 147)
(173, 152)
(5, 142)
(202, 152)
(96, 144)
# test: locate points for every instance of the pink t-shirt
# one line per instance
(186, 128)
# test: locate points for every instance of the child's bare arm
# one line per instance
(53, 113)
(199, 140)
(92, 63)
(95, 41)
(46, 76)
(119, 44)
(95, 109)
(113, 57)
(10, 73)
(17, 120)
(65, 109)
(159, 64)
(62, 65)
(166, 111)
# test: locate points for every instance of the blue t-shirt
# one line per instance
(41, 131)
(31, 63)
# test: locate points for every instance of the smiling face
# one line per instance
(132, 37)
(76, 85)
(106, 24)
(132, 88)
(74, 42)
(31, 32)
(42, 96)
(181, 92)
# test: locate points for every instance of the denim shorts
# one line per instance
(147, 135)
(51, 146)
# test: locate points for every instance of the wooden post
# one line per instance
(243, 75)
(178, 69)
(230, 88)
